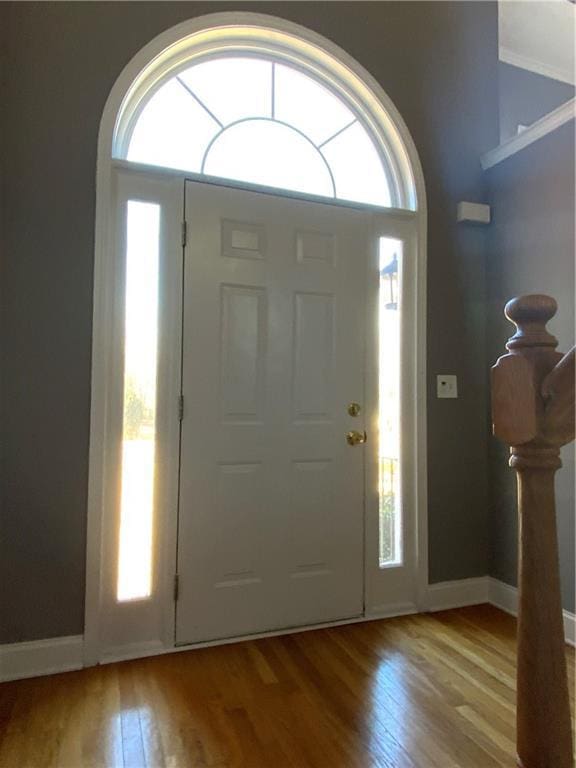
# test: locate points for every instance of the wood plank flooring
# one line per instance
(427, 691)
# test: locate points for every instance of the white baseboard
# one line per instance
(457, 594)
(64, 654)
(505, 597)
(40, 657)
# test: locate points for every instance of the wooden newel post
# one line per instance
(533, 412)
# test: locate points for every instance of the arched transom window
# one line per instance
(259, 120)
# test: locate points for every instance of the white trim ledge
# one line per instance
(41, 657)
(550, 122)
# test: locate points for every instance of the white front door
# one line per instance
(271, 518)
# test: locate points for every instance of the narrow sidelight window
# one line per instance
(139, 413)
(389, 402)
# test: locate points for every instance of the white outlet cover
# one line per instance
(446, 385)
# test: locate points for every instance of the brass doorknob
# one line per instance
(356, 438)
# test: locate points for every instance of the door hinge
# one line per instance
(180, 407)
(176, 586)
(184, 233)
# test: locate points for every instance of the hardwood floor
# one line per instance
(428, 691)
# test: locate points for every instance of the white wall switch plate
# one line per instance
(446, 385)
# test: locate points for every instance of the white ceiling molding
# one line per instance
(532, 65)
(544, 126)
(539, 36)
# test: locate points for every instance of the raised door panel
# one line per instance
(240, 505)
(243, 353)
(312, 506)
(313, 363)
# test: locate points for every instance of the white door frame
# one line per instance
(107, 347)
(126, 630)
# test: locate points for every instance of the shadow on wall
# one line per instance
(531, 250)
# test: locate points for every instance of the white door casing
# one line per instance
(271, 519)
(147, 626)
(132, 629)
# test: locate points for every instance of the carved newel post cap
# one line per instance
(530, 314)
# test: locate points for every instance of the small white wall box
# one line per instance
(446, 385)
(473, 213)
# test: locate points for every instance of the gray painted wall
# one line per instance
(526, 97)
(531, 250)
(437, 61)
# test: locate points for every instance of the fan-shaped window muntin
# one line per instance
(262, 121)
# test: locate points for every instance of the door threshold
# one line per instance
(288, 630)
(144, 650)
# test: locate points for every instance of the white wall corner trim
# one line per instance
(41, 657)
(550, 122)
